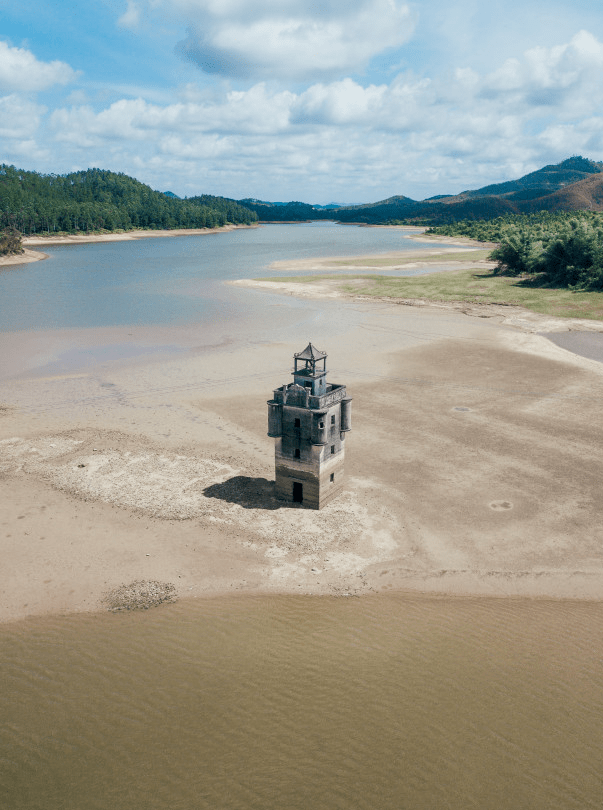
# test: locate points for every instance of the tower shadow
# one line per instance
(250, 493)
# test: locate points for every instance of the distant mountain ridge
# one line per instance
(574, 184)
(543, 181)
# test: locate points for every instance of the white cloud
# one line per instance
(19, 118)
(21, 71)
(471, 123)
(411, 135)
(254, 111)
(552, 77)
(290, 40)
(131, 16)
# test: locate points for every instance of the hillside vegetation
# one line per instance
(96, 200)
(555, 250)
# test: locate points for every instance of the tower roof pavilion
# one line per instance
(305, 362)
(310, 353)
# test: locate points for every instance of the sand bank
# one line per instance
(443, 256)
(518, 317)
(22, 258)
(473, 468)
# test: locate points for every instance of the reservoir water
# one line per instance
(169, 294)
(170, 281)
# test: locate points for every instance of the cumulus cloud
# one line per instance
(412, 135)
(21, 71)
(19, 118)
(549, 77)
(464, 102)
(254, 111)
(291, 40)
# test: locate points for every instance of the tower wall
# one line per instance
(313, 473)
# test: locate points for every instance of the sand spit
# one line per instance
(22, 258)
(517, 317)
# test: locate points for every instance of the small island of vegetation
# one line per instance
(10, 242)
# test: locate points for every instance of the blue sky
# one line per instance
(342, 100)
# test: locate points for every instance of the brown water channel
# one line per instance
(382, 702)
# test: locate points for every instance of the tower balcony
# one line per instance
(295, 395)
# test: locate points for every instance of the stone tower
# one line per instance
(309, 418)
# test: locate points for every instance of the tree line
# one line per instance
(100, 200)
(552, 249)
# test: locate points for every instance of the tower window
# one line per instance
(333, 419)
(332, 477)
(296, 454)
(297, 423)
(332, 449)
(321, 425)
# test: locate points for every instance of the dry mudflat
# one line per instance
(474, 467)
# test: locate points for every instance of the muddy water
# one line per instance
(302, 702)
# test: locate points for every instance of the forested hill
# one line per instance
(288, 212)
(96, 199)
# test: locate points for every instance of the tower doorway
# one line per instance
(298, 492)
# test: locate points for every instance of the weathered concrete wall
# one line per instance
(317, 489)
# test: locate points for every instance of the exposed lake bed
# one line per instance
(154, 426)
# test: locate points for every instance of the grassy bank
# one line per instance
(464, 256)
(475, 286)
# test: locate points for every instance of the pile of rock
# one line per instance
(140, 595)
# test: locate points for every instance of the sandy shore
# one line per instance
(126, 236)
(22, 258)
(474, 467)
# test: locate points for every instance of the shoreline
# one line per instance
(125, 236)
(520, 318)
(32, 242)
(457, 484)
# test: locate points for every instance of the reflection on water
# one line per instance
(300, 702)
